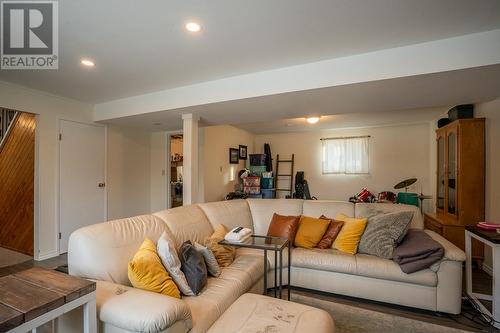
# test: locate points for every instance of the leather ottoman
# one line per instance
(252, 313)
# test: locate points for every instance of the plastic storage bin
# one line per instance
(257, 159)
(266, 183)
(257, 169)
(268, 193)
(251, 181)
(252, 189)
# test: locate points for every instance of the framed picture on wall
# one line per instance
(243, 152)
(233, 156)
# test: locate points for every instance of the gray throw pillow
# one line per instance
(170, 259)
(193, 266)
(384, 232)
(212, 265)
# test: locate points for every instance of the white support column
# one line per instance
(190, 163)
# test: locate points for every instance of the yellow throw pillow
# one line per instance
(146, 271)
(223, 254)
(350, 234)
(310, 232)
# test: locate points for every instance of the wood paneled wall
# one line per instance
(17, 171)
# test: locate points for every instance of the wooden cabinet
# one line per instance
(460, 178)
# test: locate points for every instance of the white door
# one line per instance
(82, 192)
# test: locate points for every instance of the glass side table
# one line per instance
(267, 243)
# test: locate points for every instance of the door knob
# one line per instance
(101, 185)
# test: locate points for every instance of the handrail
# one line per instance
(7, 127)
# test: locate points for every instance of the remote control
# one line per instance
(237, 230)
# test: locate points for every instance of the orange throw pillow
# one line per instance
(331, 233)
(284, 226)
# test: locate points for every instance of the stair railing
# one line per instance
(7, 120)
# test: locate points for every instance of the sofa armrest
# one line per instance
(138, 310)
(451, 251)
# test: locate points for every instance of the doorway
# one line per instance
(82, 186)
(17, 177)
(175, 170)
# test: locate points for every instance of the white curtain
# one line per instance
(346, 155)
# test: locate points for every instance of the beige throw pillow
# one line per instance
(170, 259)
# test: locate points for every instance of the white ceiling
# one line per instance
(374, 103)
(140, 46)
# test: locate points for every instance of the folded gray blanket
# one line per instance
(417, 251)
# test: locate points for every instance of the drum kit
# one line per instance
(409, 182)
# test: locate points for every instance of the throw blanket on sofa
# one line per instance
(417, 251)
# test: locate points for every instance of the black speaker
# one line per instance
(443, 122)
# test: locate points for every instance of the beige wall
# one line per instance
(491, 111)
(397, 153)
(158, 171)
(49, 110)
(219, 177)
(128, 172)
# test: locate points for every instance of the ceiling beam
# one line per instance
(450, 54)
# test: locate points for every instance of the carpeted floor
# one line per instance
(9, 258)
(349, 319)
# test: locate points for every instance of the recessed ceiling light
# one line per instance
(87, 63)
(193, 27)
(312, 120)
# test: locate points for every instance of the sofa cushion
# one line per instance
(170, 259)
(186, 223)
(310, 231)
(331, 233)
(146, 272)
(138, 310)
(360, 264)
(230, 213)
(193, 266)
(325, 260)
(213, 267)
(224, 254)
(371, 209)
(349, 236)
(211, 303)
(102, 251)
(246, 269)
(263, 209)
(270, 256)
(221, 292)
(283, 226)
(384, 232)
(375, 267)
(328, 208)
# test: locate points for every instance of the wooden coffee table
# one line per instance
(36, 296)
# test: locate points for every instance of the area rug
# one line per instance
(9, 258)
(349, 319)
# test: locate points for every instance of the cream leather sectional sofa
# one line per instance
(101, 252)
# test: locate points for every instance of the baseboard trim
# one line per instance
(48, 255)
(488, 269)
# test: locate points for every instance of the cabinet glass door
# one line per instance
(441, 173)
(452, 172)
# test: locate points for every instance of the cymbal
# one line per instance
(405, 183)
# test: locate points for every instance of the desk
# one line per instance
(36, 296)
(491, 239)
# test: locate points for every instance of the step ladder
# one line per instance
(288, 177)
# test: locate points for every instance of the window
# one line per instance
(348, 155)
